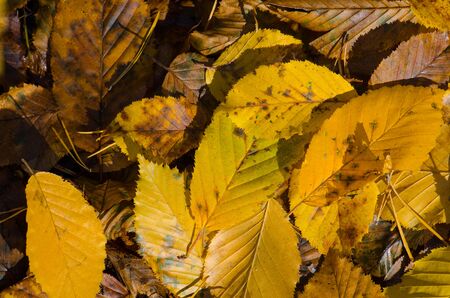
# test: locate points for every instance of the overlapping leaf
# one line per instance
(65, 241)
(28, 287)
(432, 13)
(234, 175)
(281, 97)
(164, 226)
(424, 194)
(90, 49)
(255, 258)
(426, 55)
(338, 277)
(344, 20)
(341, 224)
(260, 47)
(438, 160)
(351, 147)
(430, 277)
(155, 128)
(29, 112)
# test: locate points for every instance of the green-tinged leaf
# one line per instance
(261, 47)
(277, 100)
(427, 193)
(430, 277)
(340, 225)
(255, 258)
(65, 241)
(155, 128)
(234, 175)
(165, 227)
(397, 126)
(338, 277)
(345, 20)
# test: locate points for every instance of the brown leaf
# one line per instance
(28, 113)
(8, 257)
(27, 288)
(425, 55)
(112, 288)
(186, 75)
(225, 27)
(90, 50)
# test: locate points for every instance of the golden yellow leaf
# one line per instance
(155, 128)
(438, 160)
(27, 288)
(399, 123)
(247, 53)
(340, 225)
(164, 226)
(277, 100)
(65, 241)
(90, 48)
(234, 175)
(430, 277)
(432, 13)
(255, 258)
(344, 20)
(425, 192)
(339, 278)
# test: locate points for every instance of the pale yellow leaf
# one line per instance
(65, 241)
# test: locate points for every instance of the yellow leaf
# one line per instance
(425, 192)
(438, 160)
(234, 175)
(90, 49)
(430, 277)
(276, 100)
(350, 148)
(65, 241)
(345, 21)
(164, 226)
(255, 258)
(432, 13)
(155, 128)
(340, 225)
(338, 277)
(26, 288)
(247, 53)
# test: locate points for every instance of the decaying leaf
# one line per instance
(156, 128)
(112, 288)
(277, 100)
(186, 75)
(255, 258)
(8, 257)
(260, 47)
(423, 193)
(117, 222)
(29, 112)
(225, 27)
(351, 146)
(425, 55)
(65, 241)
(338, 277)
(234, 175)
(90, 49)
(429, 277)
(165, 227)
(27, 288)
(432, 13)
(345, 21)
(340, 225)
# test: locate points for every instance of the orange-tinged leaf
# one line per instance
(425, 55)
(255, 258)
(156, 128)
(338, 277)
(345, 20)
(90, 48)
(399, 123)
(65, 241)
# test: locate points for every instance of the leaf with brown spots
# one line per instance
(158, 128)
(277, 100)
(432, 13)
(344, 21)
(350, 148)
(425, 55)
(28, 113)
(91, 45)
(340, 225)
